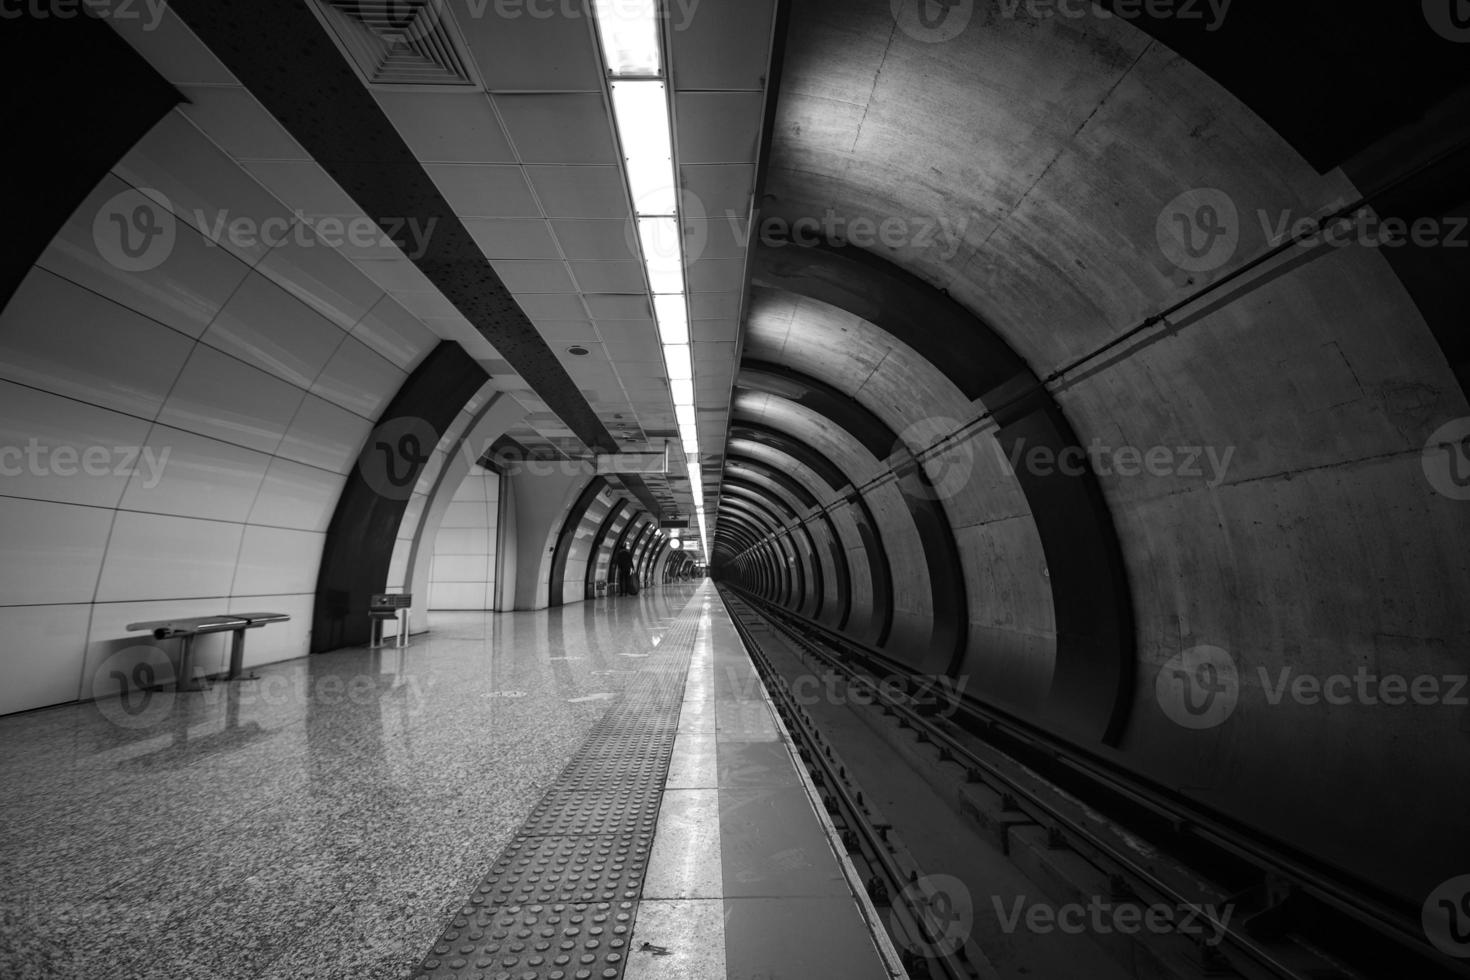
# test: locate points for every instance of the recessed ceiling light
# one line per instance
(578, 351)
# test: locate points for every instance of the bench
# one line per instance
(184, 630)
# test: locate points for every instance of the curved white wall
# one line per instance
(251, 376)
(462, 576)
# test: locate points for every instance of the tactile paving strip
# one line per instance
(560, 901)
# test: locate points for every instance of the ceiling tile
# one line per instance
(447, 127)
(715, 306)
(598, 241)
(723, 190)
(726, 331)
(559, 128)
(519, 48)
(303, 184)
(553, 306)
(609, 307)
(717, 276)
(513, 238)
(172, 48)
(714, 354)
(610, 277)
(395, 275)
(721, 45)
(580, 192)
(535, 277)
(626, 333)
(719, 127)
(242, 127)
(476, 191)
(567, 331)
(429, 303)
(722, 237)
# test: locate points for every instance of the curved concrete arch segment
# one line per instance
(879, 570)
(594, 561)
(364, 529)
(949, 627)
(1091, 687)
(569, 528)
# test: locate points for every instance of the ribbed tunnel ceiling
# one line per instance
(947, 220)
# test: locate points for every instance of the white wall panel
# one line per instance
(34, 425)
(153, 556)
(204, 186)
(52, 551)
(194, 476)
(325, 436)
(184, 292)
(266, 326)
(320, 277)
(227, 399)
(42, 655)
(393, 332)
(298, 496)
(462, 575)
(274, 561)
(58, 337)
(358, 379)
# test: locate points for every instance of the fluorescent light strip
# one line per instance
(673, 319)
(676, 359)
(629, 33)
(642, 112)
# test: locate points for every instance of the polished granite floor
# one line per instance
(322, 821)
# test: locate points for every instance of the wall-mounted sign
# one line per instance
(643, 464)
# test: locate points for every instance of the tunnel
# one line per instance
(736, 488)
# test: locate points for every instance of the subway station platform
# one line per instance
(597, 792)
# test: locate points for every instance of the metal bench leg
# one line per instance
(237, 655)
(186, 681)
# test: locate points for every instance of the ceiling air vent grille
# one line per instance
(398, 42)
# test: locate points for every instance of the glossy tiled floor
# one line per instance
(322, 821)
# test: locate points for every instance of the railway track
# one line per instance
(1288, 918)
